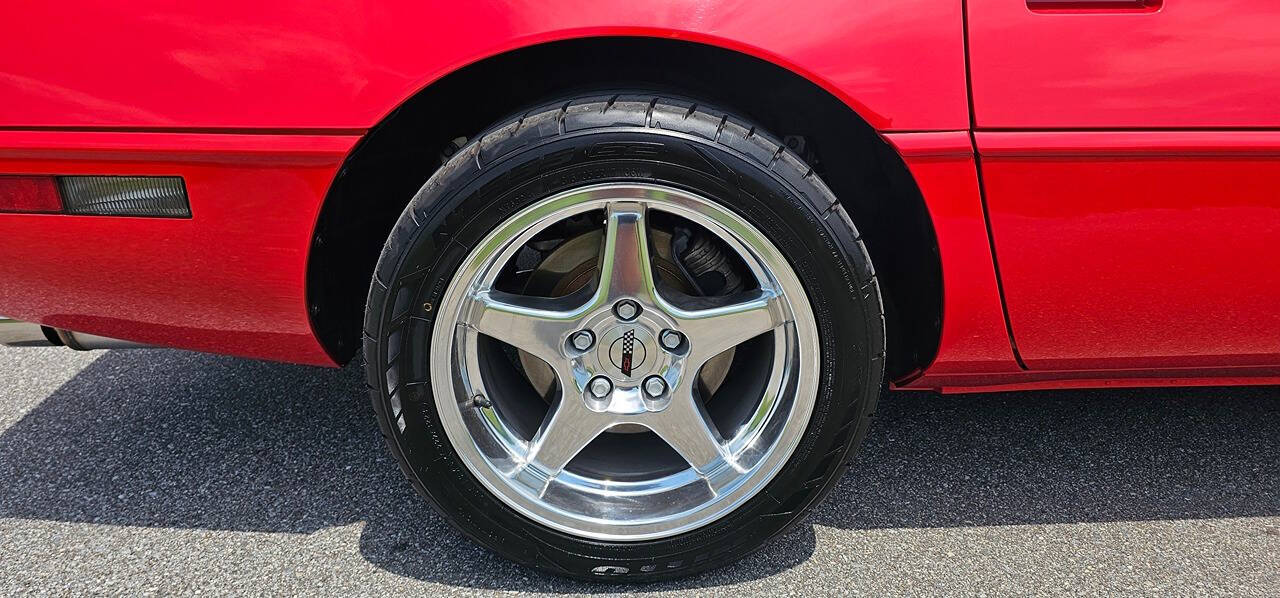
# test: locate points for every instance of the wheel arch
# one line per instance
(816, 119)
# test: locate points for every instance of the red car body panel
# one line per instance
(974, 338)
(1058, 246)
(1123, 250)
(231, 279)
(1210, 64)
(346, 65)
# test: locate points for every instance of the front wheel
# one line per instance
(624, 336)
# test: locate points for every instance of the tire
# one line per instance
(626, 138)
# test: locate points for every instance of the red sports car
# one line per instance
(628, 277)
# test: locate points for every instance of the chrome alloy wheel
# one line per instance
(626, 353)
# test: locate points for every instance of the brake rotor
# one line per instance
(573, 265)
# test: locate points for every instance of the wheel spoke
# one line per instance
(535, 325)
(715, 330)
(565, 431)
(685, 426)
(625, 269)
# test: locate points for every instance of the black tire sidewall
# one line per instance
(462, 204)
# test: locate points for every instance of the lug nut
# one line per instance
(671, 339)
(600, 387)
(583, 340)
(655, 386)
(626, 310)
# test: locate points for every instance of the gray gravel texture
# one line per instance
(173, 473)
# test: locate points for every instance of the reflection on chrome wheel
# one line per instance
(625, 353)
(624, 336)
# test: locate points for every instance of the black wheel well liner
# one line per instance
(397, 156)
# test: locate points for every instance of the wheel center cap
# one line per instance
(627, 350)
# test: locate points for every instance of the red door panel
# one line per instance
(1177, 64)
(1134, 216)
(1138, 249)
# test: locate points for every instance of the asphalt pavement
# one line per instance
(166, 472)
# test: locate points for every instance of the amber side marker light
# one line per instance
(162, 196)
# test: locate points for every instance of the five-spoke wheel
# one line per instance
(626, 354)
